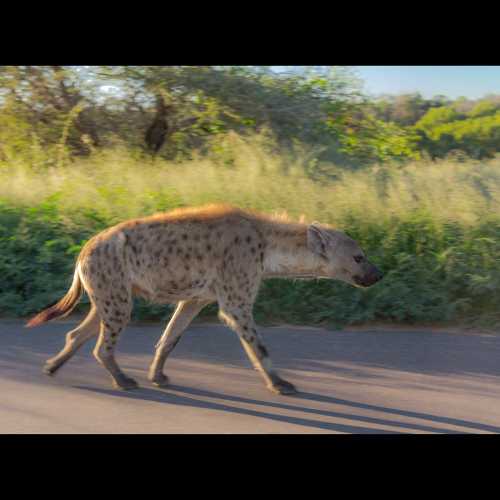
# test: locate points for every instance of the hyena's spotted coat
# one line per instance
(194, 257)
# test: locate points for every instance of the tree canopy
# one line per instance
(173, 111)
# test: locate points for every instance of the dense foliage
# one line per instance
(412, 179)
(441, 259)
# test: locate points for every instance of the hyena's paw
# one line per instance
(50, 368)
(280, 386)
(125, 383)
(160, 380)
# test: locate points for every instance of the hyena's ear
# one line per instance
(317, 240)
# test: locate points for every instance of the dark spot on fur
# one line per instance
(249, 239)
(262, 350)
(184, 236)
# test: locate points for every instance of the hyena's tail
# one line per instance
(63, 307)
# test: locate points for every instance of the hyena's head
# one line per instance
(341, 257)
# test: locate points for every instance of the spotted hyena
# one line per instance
(193, 257)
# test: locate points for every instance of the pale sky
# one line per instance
(451, 81)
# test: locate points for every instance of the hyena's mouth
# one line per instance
(369, 280)
(360, 282)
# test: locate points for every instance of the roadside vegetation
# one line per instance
(415, 181)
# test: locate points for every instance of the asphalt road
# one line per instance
(363, 381)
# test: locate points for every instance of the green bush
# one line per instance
(432, 228)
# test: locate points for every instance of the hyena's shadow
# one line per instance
(176, 395)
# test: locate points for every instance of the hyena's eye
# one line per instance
(358, 258)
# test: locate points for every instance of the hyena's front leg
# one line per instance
(240, 319)
(182, 317)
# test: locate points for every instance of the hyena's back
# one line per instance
(175, 256)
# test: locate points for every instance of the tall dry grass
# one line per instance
(432, 227)
(119, 186)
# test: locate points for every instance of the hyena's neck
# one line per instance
(287, 253)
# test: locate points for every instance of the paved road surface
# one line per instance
(365, 381)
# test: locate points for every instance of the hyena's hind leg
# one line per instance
(87, 329)
(114, 318)
(108, 285)
(182, 317)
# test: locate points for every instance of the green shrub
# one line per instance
(432, 228)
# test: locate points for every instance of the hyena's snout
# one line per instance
(370, 277)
